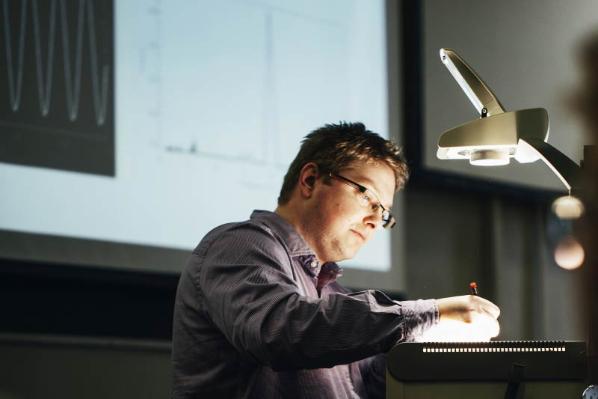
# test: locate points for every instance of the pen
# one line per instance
(473, 288)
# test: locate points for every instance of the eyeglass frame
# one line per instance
(386, 224)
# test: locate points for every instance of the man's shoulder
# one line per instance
(249, 242)
(247, 231)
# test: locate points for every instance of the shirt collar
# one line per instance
(325, 273)
(294, 242)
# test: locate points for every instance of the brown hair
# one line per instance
(335, 146)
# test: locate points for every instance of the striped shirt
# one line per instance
(256, 316)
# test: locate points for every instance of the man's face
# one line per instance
(338, 223)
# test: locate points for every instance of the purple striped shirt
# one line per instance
(256, 316)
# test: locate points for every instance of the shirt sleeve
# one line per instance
(247, 289)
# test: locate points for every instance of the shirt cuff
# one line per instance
(419, 315)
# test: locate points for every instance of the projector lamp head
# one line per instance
(497, 136)
(494, 140)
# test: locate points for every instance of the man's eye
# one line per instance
(375, 207)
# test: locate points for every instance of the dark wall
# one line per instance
(68, 300)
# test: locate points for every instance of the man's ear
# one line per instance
(307, 179)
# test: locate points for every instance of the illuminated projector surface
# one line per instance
(487, 361)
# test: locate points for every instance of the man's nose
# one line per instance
(373, 219)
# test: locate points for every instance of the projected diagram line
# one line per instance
(271, 145)
(72, 80)
(268, 153)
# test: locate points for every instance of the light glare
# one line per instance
(481, 329)
(568, 207)
(569, 253)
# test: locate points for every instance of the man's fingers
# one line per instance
(485, 306)
(464, 307)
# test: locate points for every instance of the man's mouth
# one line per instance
(360, 235)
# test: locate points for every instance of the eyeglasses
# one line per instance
(368, 199)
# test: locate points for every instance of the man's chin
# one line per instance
(348, 253)
(339, 252)
(339, 256)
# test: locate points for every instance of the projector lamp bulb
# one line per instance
(488, 157)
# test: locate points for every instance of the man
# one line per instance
(259, 313)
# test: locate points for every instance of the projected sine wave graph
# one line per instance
(57, 84)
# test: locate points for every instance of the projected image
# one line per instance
(56, 85)
(212, 101)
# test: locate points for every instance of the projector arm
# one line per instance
(562, 166)
(482, 98)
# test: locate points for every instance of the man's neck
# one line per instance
(293, 216)
(288, 214)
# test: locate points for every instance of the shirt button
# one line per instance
(314, 263)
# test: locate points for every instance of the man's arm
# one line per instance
(249, 293)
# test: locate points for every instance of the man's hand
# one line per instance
(465, 308)
(464, 318)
